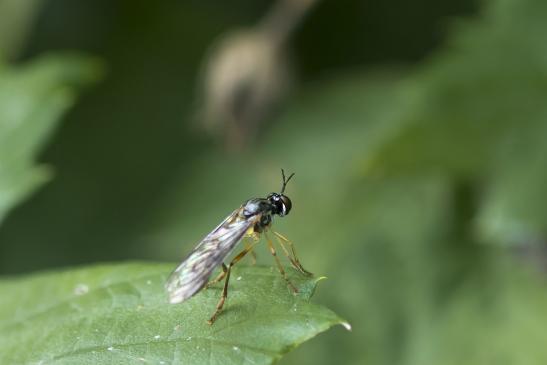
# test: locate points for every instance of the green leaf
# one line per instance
(32, 100)
(477, 113)
(119, 314)
(471, 95)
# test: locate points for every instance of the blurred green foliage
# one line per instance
(16, 19)
(32, 100)
(419, 191)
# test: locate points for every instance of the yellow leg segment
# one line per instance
(292, 258)
(226, 273)
(279, 266)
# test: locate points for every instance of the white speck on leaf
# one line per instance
(81, 289)
(149, 282)
(110, 348)
(238, 278)
(157, 337)
(235, 348)
(188, 338)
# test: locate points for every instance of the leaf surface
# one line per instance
(119, 314)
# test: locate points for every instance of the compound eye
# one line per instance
(286, 205)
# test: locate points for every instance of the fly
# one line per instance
(253, 218)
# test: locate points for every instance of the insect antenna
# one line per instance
(285, 180)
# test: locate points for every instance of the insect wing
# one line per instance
(192, 274)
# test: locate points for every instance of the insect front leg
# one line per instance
(224, 295)
(279, 266)
(292, 258)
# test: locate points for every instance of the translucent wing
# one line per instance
(192, 274)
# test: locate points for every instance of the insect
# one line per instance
(252, 219)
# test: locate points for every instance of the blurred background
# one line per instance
(417, 132)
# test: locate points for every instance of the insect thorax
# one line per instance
(265, 222)
(257, 206)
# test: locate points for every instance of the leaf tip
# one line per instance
(346, 325)
(320, 278)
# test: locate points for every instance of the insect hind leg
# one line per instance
(292, 258)
(219, 277)
(226, 273)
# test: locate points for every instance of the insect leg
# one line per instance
(293, 259)
(219, 277)
(224, 295)
(279, 266)
(253, 254)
